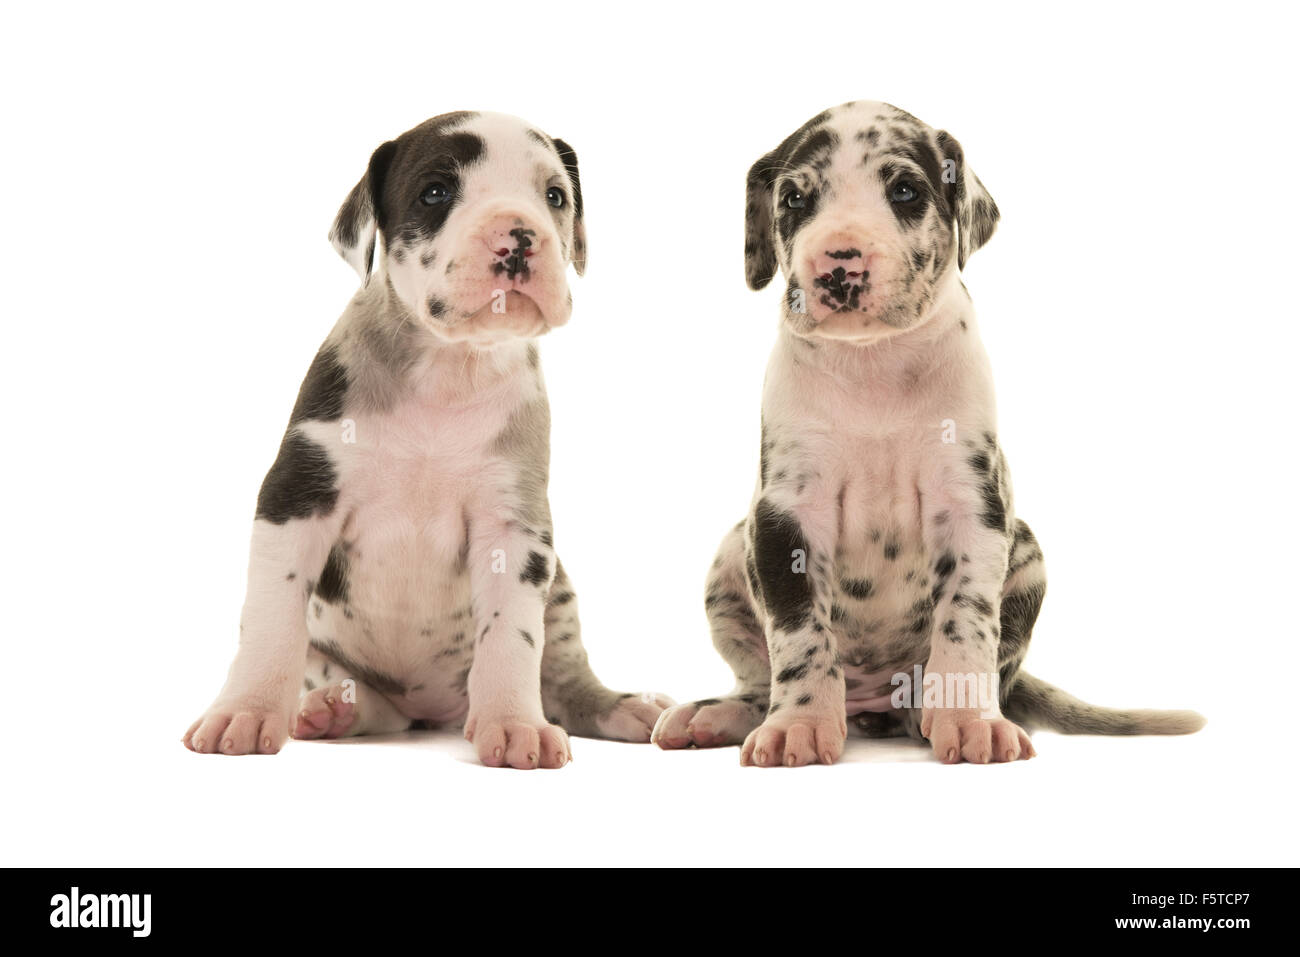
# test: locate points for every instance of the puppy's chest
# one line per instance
(413, 463)
(395, 595)
(881, 604)
(412, 481)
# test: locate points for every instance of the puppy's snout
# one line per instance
(512, 242)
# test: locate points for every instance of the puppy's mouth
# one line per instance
(837, 307)
(511, 314)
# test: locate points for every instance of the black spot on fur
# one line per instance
(333, 584)
(943, 568)
(785, 593)
(859, 588)
(381, 682)
(323, 388)
(793, 673)
(993, 490)
(535, 570)
(301, 483)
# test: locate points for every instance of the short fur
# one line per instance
(403, 570)
(882, 537)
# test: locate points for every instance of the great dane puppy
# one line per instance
(403, 570)
(881, 574)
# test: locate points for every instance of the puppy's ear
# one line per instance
(974, 212)
(570, 160)
(353, 232)
(760, 232)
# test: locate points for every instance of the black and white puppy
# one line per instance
(402, 569)
(881, 574)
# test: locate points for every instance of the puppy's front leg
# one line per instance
(251, 714)
(966, 522)
(791, 545)
(510, 572)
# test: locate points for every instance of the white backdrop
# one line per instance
(170, 177)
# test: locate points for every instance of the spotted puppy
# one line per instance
(402, 569)
(881, 574)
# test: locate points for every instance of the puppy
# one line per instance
(403, 570)
(881, 575)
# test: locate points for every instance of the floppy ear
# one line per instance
(570, 160)
(353, 232)
(760, 236)
(974, 212)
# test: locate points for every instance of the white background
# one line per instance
(169, 178)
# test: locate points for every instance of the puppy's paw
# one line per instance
(518, 743)
(709, 723)
(325, 713)
(244, 727)
(795, 740)
(633, 717)
(963, 734)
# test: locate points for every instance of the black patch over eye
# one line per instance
(795, 208)
(435, 194)
(555, 196)
(903, 192)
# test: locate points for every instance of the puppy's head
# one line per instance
(865, 209)
(480, 214)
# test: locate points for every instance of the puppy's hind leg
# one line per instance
(335, 703)
(572, 696)
(1033, 703)
(1022, 598)
(738, 637)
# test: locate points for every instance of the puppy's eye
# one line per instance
(795, 199)
(555, 196)
(435, 193)
(902, 193)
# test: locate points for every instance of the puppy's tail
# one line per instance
(1034, 703)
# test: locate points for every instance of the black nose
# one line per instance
(514, 262)
(842, 287)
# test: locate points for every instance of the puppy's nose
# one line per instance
(845, 265)
(511, 243)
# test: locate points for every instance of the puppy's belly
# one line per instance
(402, 622)
(881, 615)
